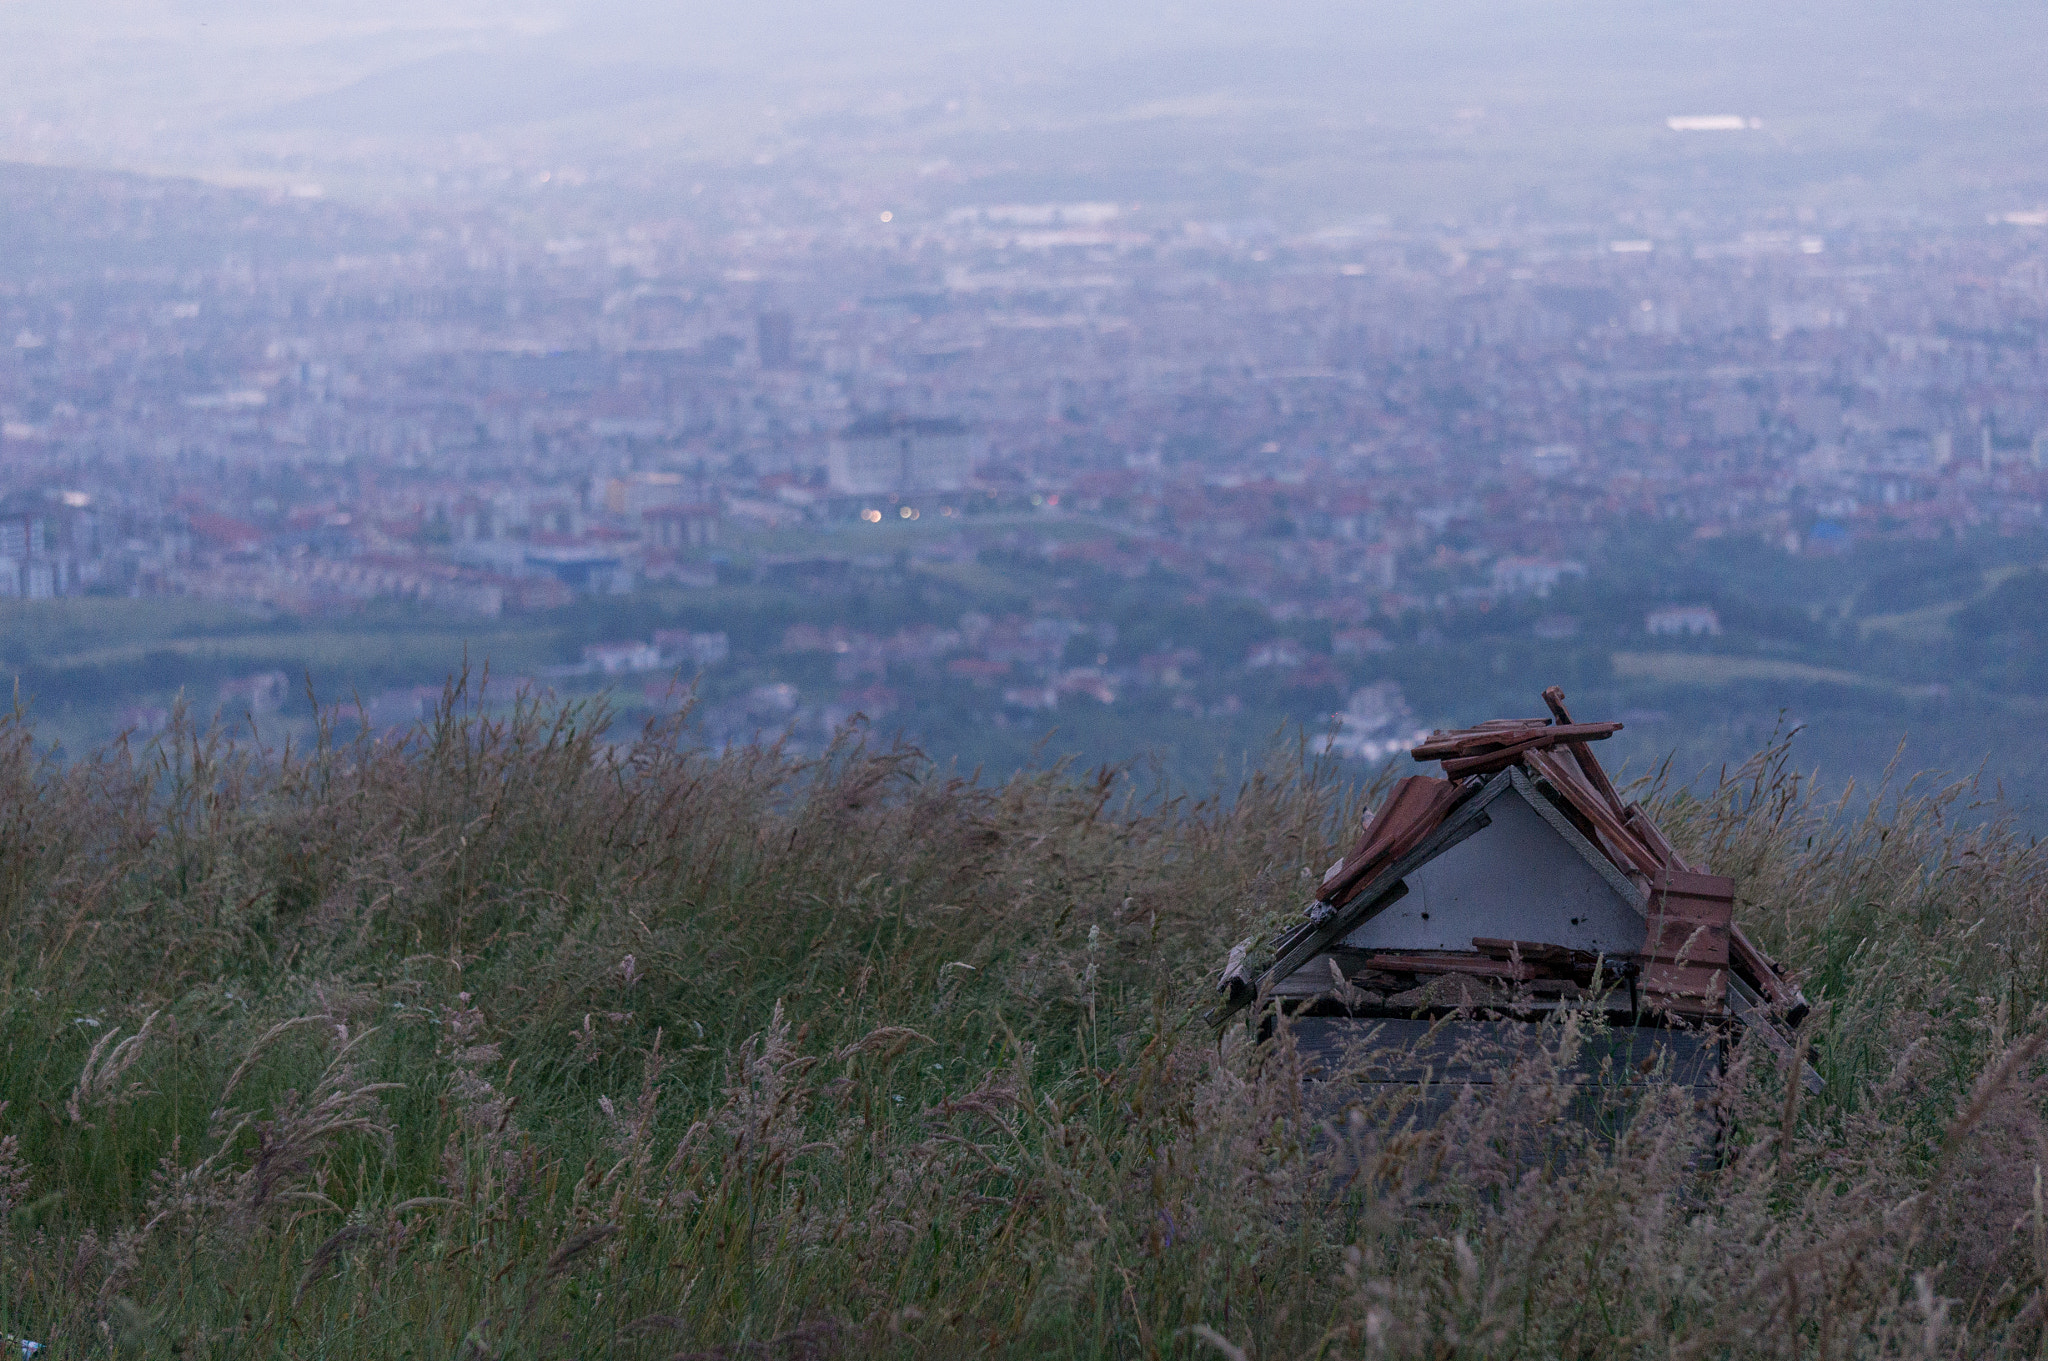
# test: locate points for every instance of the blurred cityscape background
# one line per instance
(1128, 384)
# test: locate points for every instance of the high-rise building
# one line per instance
(884, 454)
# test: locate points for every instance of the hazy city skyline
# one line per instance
(1152, 375)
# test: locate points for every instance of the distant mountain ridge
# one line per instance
(475, 91)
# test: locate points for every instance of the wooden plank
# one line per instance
(1626, 851)
(1765, 974)
(1416, 805)
(1680, 883)
(1491, 763)
(1529, 951)
(1750, 1009)
(1583, 967)
(1488, 762)
(1685, 943)
(1466, 744)
(1680, 987)
(1633, 819)
(1579, 821)
(1573, 786)
(1477, 966)
(1650, 834)
(1679, 940)
(1589, 765)
(1467, 741)
(1691, 917)
(1237, 973)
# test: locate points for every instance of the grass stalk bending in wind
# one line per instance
(509, 1041)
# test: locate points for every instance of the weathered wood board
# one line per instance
(1528, 876)
(1404, 1068)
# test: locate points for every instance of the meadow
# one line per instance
(521, 1037)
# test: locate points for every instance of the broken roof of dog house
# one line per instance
(1522, 873)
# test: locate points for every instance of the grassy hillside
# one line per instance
(520, 1041)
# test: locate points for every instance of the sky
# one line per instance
(1926, 99)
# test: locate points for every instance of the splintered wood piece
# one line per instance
(1476, 966)
(1528, 951)
(1579, 820)
(1588, 763)
(1583, 967)
(1411, 811)
(1651, 835)
(1686, 941)
(1485, 762)
(1464, 743)
(1236, 979)
(1553, 699)
(1469, 740)
(1763, 973)
(1490, 763)
(1681, 988)
(1623, 848)
(1571, 782)
(1490, 725)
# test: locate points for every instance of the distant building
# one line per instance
(1032, 697)
(772, 700)
(637, 493)
(1826, 539)
(1376, 723)
(262, 693)
(617, 659)
(1551, 460)
(1359, 642)
(581, 567)
(21, 535)
(1279, 652)
(1690, 621)
(701, 649)
(681, 526)
(773, 336)
(400, 708)
(891, 454)
(1533, 576)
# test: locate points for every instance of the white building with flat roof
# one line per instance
(900, 455)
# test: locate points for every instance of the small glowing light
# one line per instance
(1053, 500)
(888, 216)
(947, 510)
(77, 500)
(872, 516)
(907, 512)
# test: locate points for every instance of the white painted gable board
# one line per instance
(1520, 878)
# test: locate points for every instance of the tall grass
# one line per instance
(513, 1040)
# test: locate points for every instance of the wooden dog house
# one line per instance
(1524, 876)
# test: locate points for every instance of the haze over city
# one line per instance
(1130, 382)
